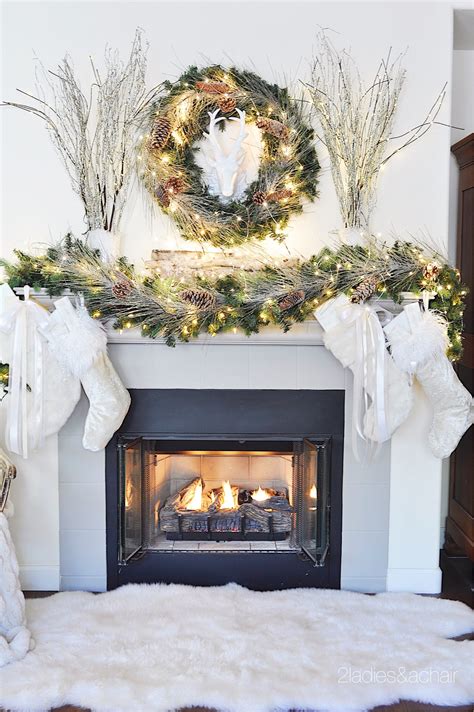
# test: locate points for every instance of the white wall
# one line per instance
(35, 526)
(462, 109)
(276, 39)
(462, 116)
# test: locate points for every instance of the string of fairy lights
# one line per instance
(174, 118)
(182, 307)
(288, 165)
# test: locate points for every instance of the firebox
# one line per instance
(244, 495)
(207, 487)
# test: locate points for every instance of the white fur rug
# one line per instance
(159, 648)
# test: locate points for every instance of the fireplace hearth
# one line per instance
(206, 487)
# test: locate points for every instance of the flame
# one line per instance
(260, 495)
(312, 493)
(196, 501)
(228, 502)
(213, 496)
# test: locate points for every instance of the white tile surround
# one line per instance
(297, 360)
(391, 506)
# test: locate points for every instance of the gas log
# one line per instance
(228, 512)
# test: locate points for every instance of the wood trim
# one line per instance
(462, 518)
(459, 537)
(466, 177)
(460, 522)
(464, 151)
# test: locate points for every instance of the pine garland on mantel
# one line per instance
(178, 309)
(4, 373)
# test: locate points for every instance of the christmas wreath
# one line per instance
(189, 117)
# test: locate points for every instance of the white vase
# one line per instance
(107, 242)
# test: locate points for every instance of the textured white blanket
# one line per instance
(159, 648)
(15, 638)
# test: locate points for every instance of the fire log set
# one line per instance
(226, 513)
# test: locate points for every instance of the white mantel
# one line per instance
(308, 333)
(391, 506)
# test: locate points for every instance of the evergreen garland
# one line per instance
(245, 300)
(4, 374)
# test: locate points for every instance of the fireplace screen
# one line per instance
(204, 496)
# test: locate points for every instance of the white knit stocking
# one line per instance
(79, 342)
(418, 341)
(109, 403)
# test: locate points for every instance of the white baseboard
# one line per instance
(414, 580)
(39, 578)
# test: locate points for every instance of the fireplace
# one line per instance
(208, 487)
(244, 495)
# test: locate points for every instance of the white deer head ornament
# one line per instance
(225, 165)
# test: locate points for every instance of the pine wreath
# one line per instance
(288, 168)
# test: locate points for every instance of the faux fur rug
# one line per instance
(159, 648)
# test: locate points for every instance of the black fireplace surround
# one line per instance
(303, 422)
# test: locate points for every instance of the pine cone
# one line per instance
(273, 127)
(227, 104)
(121, 288)
(278, 195)
(174, 185)
(364, 290)
(162, 196)
(213, 87)
(259, 197)
(199, 298)
(160, 133)
(431, 272)
(291, 299)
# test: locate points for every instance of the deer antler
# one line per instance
(242, 134)
(213, 121)
(226, 166)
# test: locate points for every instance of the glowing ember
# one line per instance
(260, 495)
(312, 493)
(228, 502)
(196, 501)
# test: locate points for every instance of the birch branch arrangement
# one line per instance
(95, 134)
(356, 123)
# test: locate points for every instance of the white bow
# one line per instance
(369, 371)
(23, 319)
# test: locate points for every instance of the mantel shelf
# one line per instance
(308, 333)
